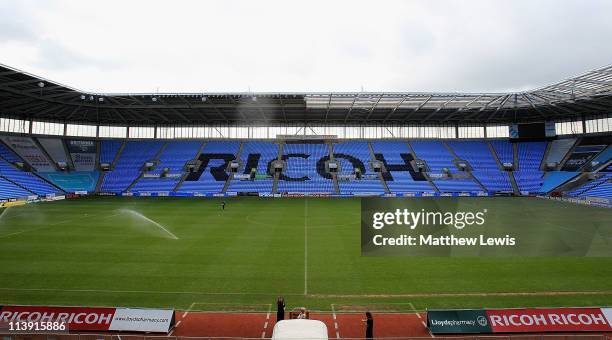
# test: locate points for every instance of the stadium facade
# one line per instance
(553, 141)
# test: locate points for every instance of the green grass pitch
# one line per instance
(110, 251)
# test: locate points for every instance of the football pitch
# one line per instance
(188, 253)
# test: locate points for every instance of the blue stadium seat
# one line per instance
(484, 166)
(26, 179)
(108, 150)
(529, 177)
(129, 165)
(603, 189)
(401, 181)
(361, 151)
(267, 152)
(10, 190)
(174, 157)
(206, 182)
(600, 187)
(503, 149)
(435, 154)
(301, 173)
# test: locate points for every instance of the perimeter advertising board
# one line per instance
(520, 320)
(88, 319)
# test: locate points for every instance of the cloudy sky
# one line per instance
(213, 46)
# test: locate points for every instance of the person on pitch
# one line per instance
(280, 309)
(369, 321)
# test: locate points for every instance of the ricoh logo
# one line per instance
(414, 219)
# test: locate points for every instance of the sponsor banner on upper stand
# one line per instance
(520, 320)
(88, 319)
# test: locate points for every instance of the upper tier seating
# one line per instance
(129, 165)
(361, 151)
(204, 181)
(301, 173)
(262, 153)
(484, 166)
(401, 180)
(528, 176)
(174, 157)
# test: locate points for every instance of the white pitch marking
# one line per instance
(189, 309)
(335, 321)
(263, 333)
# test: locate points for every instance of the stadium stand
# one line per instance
(302, 169)
(211, 175)
(484, 167)
(439, 161)
(401, 178)
(558, 149)
(255, 155)
(435, 154)
(10, 190)
(603, 189)
(305, 168)
(130, 164)
(584, 152)
(600, 187)
(8, 155)
(173, 158)
(503, 149)
(54, 147)
(83, 154)
(603, 157)
(529, 176)
(108, 150)
(360, 152)
(25, 179)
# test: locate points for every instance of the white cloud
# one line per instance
(194, 46)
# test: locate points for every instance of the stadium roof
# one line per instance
(27, 96)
